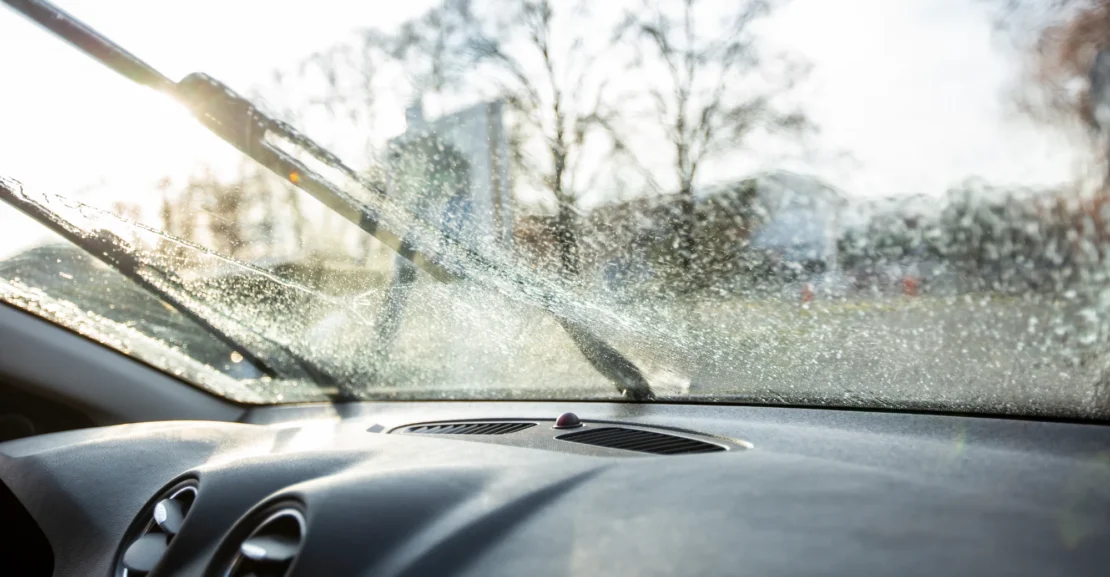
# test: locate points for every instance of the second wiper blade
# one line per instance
(273, 359)
(237, 121)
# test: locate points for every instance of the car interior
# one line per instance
(254, 445)
(501, 488)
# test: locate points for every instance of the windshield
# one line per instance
(853, 204)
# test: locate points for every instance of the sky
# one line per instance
(919, 94)
(910, 96)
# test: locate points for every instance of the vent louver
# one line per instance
(271, 548)
(641, 441)
(158, 524)
(491, 428)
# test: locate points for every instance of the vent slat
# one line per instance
(626, 438)
(651, 445)
(163, 521)
(501, 429)
(619, 435)
(470, 430)
(640, 441)
(488, 428)
(271, 548)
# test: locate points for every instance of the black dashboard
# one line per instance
(407, 489)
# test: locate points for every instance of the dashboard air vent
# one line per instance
(269, 550)
(489, 428)
(155, 529)
(642, 441)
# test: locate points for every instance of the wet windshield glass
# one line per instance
(872, 204)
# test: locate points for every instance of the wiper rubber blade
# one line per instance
(237, 121)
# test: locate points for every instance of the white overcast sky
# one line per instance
(910, 95)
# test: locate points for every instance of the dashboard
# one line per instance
(467, 489)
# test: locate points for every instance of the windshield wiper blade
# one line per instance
(608, 361)
(271, 358)
(240, 123)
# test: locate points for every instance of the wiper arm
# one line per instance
(237, 121)
(271, 358)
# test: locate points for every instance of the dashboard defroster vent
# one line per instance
(487, 428)
(642, 441)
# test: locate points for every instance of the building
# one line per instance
(453, 172)
(802, 218)
(778, 216)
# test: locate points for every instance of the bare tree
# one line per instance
(1080, 49)
(700, 77)
(243, 217)
(342, 78)
(538, 57)
(1068, 81)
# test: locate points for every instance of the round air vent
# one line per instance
(271, 548)
(155, 528)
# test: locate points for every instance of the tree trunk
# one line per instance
(1106, 159)
(685, 228)
(566, 238)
